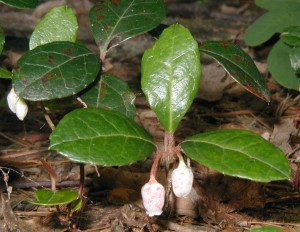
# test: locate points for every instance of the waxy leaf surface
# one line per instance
(51, 198)
(55, 70)
(238, 153)
(113, 22)
(238, 65)
(59, 24)
(21, 3)
(101, 137)
(281, 14)
(111, 93)
(280, 66)
(171, 75)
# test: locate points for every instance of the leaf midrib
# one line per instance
(105, 136)
(228, 149)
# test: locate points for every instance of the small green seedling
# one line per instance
(45, 197)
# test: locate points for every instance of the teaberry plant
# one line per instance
(104, 133)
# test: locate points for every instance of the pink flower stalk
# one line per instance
(182, 179)
(153, 194)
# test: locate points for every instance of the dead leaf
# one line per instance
(213, 82)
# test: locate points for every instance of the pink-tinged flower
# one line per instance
(17, 104)
(182, 180)
(153, 194)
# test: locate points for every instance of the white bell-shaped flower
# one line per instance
(16, 104)
(153, 194)
(182, 179)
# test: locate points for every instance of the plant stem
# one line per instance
(154, 166)
(169, 145)
(52, 173)
(81, 184)
(47, 117)
(169, 142)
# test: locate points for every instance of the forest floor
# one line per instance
(113, 201)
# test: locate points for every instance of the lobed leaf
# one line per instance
(171, 75)
(21, 3)
(113, 22)
(238, 153)
(281, 14)
(55, 70)
(100, 137)
(111, 93)
(280, 66)
(59, 24)
(238, 65)
(53, 198)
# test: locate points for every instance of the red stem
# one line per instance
(52, 173)
(154, 166)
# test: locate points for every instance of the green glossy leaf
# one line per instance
(76, 205)
(281, 14)
(280, 66)
(52, 198)
(21, 3)
(4, 73)
(266, 229)
(113, 22)
(55, 70)
(100, 137)
(238, 153)
(291, 36)
(59, 24)
(2, 39)
(295, 59)
(171, 75)
(111, 93)
(238, 65)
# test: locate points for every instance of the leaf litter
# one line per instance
(113, 202)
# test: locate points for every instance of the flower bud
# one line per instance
(153, 194)
(17, 105)
(21, 109)
(12, 99)
(182, 180)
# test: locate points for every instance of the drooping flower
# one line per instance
(182, 179)
(153, 194)
(17, 104)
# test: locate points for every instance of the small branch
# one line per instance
(47, 117)
(6, 179)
